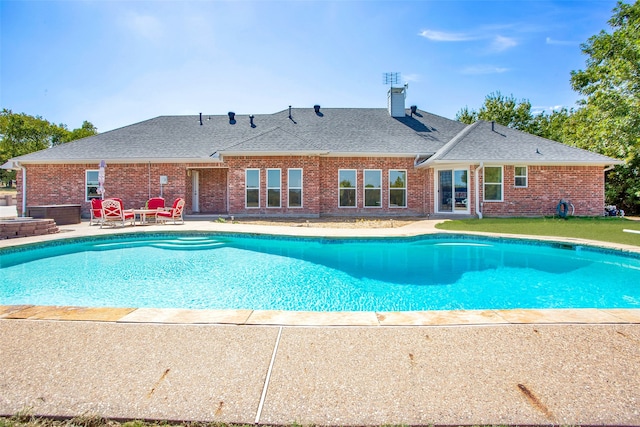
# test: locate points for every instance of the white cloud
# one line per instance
(483, 69)
(500, 43)
(551, 41)
(441, 36)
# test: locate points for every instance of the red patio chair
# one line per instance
(154, 203)
(113, 213)
(175, 213)
(96, 211)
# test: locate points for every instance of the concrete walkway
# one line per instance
(551, 370)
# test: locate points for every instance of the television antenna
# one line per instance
(391, 78)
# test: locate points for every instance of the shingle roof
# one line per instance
(334, 131)
(488, 142)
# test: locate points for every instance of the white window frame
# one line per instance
(88, 184)
(354, 188)
(365, 189)
(405, 189)
(485, 183)
(290, 187)
(525, 176)
(271, 187)
(247, 188)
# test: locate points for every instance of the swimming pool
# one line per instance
(217, 271)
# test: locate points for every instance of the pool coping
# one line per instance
(304, 318)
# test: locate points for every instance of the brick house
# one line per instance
(308, 162)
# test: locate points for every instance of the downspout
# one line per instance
(24, 189)
(478, 210)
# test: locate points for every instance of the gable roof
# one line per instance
(302, 131)
(490, 142)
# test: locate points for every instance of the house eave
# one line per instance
(117, 161)
(368, 154)
(432, 163)
(230, 153)
(314, 153)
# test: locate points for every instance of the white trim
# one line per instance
(246, 188)
(436, 189)
(406, 189)
(484, 183)
(364, 188)
(355, 188)
(86, 184)
(289, 188)
(436, 163)
(525, 176)
(279, 188)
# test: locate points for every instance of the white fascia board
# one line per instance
(519, 163)
(363, 154)
(270, 153)
(117, 161)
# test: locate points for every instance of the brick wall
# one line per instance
(310, 166)
(329, 167)
(133, 183)
(222, 187)
(583, 186)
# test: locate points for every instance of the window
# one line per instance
(372, 188)
(252, 188)
(91, 185)
(295, 188)
(493, 183)
(347, 188)
(273, 188)
(521, 176)
(397, 189)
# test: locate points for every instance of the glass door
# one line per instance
(453, 191)
(461, 201)
(445, 191)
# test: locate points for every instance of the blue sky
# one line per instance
(118, 62)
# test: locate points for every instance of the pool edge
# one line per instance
(590, 316)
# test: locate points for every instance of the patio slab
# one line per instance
(131, 371)
(520, 375)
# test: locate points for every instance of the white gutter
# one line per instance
(608, 168)
(478, 211)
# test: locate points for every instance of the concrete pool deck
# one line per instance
(524, 367)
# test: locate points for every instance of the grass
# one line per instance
(605, 229)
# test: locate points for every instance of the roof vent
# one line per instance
(200, 119)
(414, 109)
(251, 121)
(316, 108)
(232, 118)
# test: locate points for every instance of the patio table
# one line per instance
(142, 215)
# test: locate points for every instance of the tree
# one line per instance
(22, 134)
(609, 118)
(507, 111)
(87, 129)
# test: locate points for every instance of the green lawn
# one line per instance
(606, 229)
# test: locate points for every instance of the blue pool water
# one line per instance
(239, 272)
